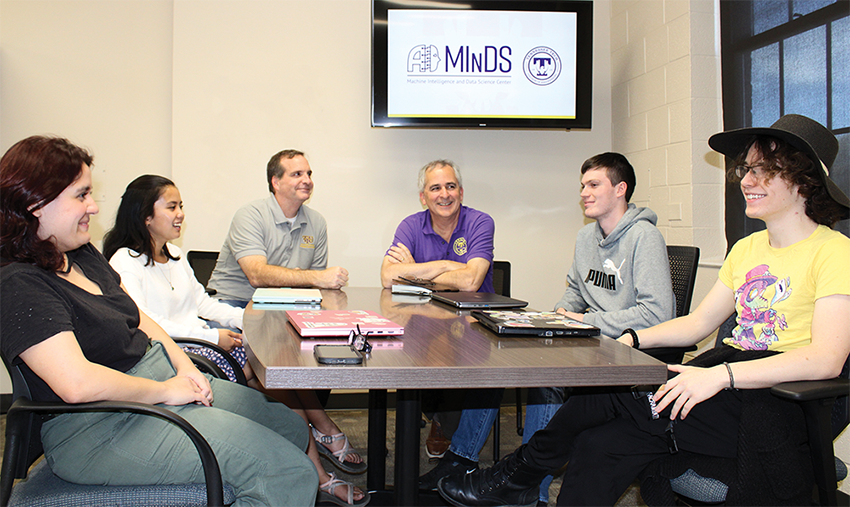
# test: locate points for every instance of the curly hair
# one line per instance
(797, 169)
(136, 206)
(33, 172)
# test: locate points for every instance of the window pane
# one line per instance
(840, 73)
(768, 14)
(764, 73)
(803, 7)
(805, 74)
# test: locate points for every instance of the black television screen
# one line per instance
(471, 63)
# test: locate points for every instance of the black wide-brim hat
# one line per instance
(802, 133)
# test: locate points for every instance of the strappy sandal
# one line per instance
(326, 493)
(337, 458)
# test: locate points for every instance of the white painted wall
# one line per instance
(252, 78)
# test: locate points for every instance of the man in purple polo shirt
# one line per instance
(448, 243)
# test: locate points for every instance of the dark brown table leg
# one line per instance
(408, 415)
(376, 453)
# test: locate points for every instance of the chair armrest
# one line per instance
(807, 390)
(23, 407)
(205, 365)
(237, 370)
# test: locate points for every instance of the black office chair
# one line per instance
(502, 278)
(203, 264)
(683, 274)
(826, 409)
(42, 487)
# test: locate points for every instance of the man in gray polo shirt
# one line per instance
(277, 241)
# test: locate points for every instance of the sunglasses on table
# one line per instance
(359, 341)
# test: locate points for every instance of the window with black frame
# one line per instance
(781, 57)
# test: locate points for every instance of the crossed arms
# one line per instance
(464, 277)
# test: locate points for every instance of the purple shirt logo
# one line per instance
(460, 246)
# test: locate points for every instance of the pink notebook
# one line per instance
(312, 323)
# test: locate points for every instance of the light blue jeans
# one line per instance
(259, 444)
(542, 404)
(475, 423)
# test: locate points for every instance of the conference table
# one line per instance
(441, 348)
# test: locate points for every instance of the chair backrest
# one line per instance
(683, 272)
(502, 278)
(202, 263)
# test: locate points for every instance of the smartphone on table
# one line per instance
(337, 354)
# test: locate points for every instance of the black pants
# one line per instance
(609, 437)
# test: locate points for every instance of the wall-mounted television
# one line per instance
(482, 63)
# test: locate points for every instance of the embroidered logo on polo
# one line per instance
(307, 242)
(604, 280)
(459, 246)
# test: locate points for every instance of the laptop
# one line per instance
(527, 323)
(285, 295)
(469, 300)
(340, 323)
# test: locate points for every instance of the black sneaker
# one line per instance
(449, 464)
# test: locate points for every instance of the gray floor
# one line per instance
(353, 423)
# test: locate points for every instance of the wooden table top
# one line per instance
(442, 348)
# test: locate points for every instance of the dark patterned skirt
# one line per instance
(238, 353)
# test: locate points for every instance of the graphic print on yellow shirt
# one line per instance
(775, 289)
(758, 319)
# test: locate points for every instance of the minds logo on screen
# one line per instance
(424, 58)
(542, 66)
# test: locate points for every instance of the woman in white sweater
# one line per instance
(158, 277)
(163, 285)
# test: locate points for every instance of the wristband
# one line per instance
(635, 341)
(731, 377)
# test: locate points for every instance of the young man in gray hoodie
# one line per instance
(619, 279)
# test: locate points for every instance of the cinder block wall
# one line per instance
(666, 102)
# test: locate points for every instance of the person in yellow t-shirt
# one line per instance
(790, 287)
(775, 299)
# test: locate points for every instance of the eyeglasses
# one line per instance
(359, 341)
(756, 170)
